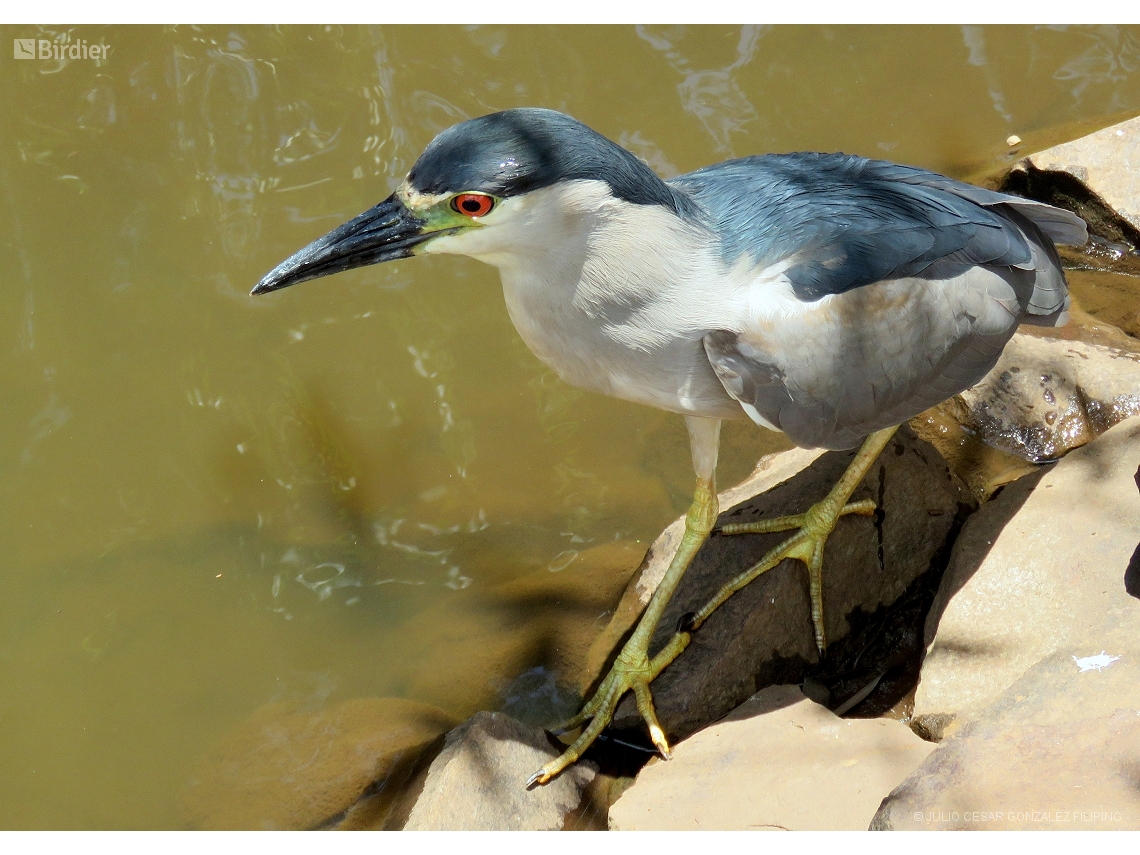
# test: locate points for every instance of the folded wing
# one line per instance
(895, 288)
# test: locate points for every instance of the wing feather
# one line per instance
(846, 221)
(896, 287)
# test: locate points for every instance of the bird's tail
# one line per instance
(1046, 302)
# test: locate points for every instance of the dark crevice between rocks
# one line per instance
(1132, 573)
(886, 646)
(880, 657)
(621, 753)
(618, 761)
(1114, 243)
(880, 515)
(593, 811)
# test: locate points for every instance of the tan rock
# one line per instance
(763, 634)
(1059, 749)
(289, 769)
(982, 467)
(991, 434)
(1107, 162)
(1043, 567)
(478, 781)
(777, 761)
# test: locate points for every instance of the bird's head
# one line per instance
(476, 191)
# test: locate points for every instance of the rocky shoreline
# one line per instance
(985, 665)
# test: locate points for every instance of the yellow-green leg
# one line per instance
(814, 526)
(633, 669)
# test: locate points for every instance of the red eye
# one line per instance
(472, 204)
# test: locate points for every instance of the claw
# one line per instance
(539, 777)
(658, 736)
(633, 669)
(645, 707)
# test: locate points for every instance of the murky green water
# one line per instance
(209, 502)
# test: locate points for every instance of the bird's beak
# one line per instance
(386, 232)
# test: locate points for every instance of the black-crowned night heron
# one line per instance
(826, 296)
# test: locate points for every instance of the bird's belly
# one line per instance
(674, 375)
(875, 356)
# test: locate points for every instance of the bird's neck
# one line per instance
(580, 247)
(601, 266)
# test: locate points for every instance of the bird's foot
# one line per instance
(633, 670)
(814, 527)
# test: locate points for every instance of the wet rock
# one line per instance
(778, 761)
(290, 769)
(1041, 568)
(763, 634)
(983, 468)
(1058, 749)
(993, 433)
(1046, 396)
(478, 781)
(1097, 175)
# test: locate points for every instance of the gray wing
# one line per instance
(846, 221)
(866, 359)
(899, 292)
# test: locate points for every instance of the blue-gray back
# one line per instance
(851, 221)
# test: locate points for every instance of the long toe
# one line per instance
(811, 532)
(632, 671)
